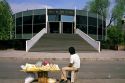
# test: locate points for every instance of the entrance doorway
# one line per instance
(61, 27)
(68, 27)
(54, 27)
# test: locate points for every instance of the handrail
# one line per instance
(91, 41)
(33, 40)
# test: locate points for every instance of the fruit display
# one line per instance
(34, 68)
(49, 67)
(29, 67)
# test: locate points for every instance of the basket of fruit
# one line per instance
(45, 66)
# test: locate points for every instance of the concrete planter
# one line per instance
(118, 47)
(121, 47)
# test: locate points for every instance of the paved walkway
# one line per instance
(103, 55)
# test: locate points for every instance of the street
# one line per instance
(10, 69)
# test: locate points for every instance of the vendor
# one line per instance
(73, 65)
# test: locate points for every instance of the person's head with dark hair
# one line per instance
(72, 50)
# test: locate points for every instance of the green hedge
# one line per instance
(12, 44)
(115, 37)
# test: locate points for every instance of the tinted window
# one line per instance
(54, 18)
(65, 18)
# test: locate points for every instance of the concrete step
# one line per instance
(61, 42)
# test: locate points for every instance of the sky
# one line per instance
(22, 5)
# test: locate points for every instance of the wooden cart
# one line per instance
(42, 75)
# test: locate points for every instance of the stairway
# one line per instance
(61, 43)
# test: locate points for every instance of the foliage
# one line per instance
(118, 11)
(6, 21)
(99, 6)
(102, 8)
(115, 36)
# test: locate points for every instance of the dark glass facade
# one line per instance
(66, 18)
(28, 23)
(38, 23)
(54, 18)
(81, 24)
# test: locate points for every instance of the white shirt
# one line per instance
(75, 60)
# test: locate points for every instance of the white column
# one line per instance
(75, 21)
(46, 20)
(22, 25)
(60, 27)
(15, 25)
(97, 27)
(32, 21)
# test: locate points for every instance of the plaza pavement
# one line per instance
(103, 55)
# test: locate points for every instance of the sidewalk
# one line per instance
(103, 55)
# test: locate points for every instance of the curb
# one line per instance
(64, 59)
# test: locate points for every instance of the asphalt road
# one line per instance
(10, 69)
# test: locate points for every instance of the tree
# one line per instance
(99, 6)
(6, 21)
(102, 8)
(115, 36)
(118, 11)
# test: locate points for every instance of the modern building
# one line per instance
(62, 21)
(30, 22)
